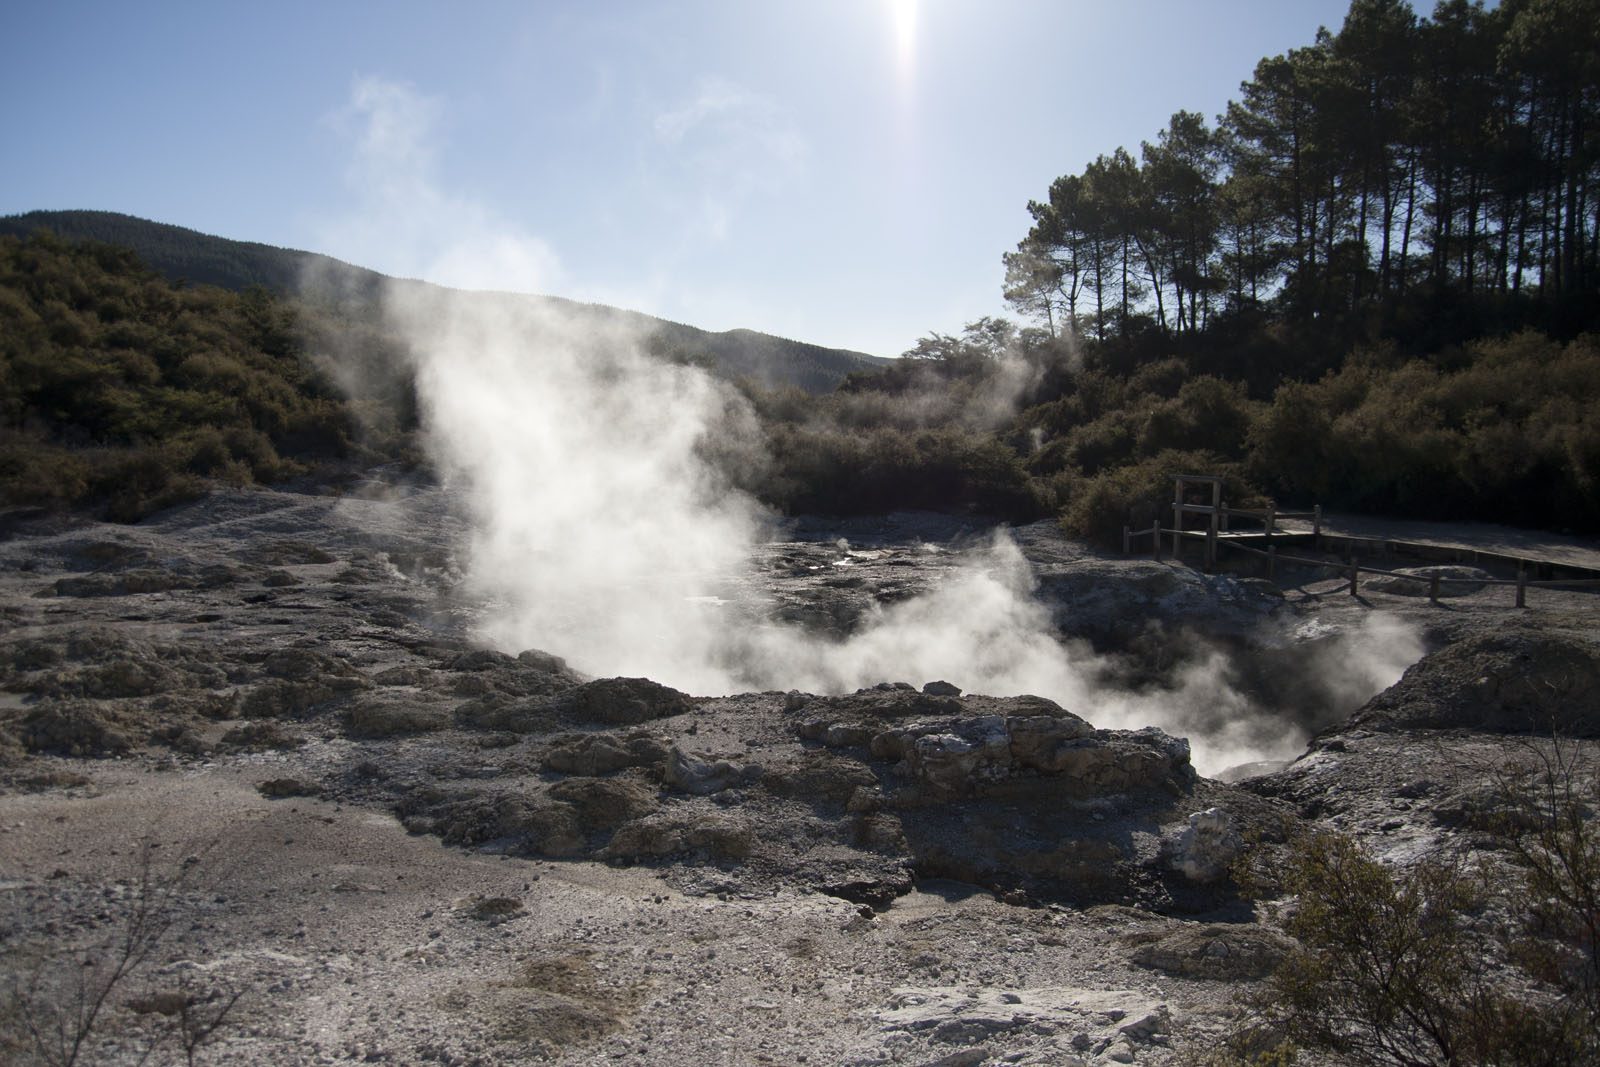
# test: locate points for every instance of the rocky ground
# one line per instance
(256, 731)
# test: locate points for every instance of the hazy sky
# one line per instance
(846, 172)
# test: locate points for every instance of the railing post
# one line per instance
(1127, 541)
(1316, 527)
(1223, 517)
(1155, 539)
(1272, 519)
(1272, 562)
(1177, 530)
(1355, 575)
(1522, 584)
(1211, 548)
(1433, 588)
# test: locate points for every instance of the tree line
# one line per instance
(1402, 167)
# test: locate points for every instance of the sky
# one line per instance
(844, 172)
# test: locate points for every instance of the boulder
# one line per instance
(701, 774)
(596, 754)
(1514, 679)
(254, 736)
(69, 728)
(278, 699)
(1218, 951)
(496, 711)
(533, 824)
(957, 761)
(966, 756)
(1039, 741)
(297, 664)
(385, 715)
(718, 835)
(280, 788)
(1204, 850)
(625, 701)
(820, 777)
(600, 805)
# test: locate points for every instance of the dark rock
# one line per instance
(289, 553)
(603, 804)
(545, 663)
(286, 700)
(878, 891)
(254, 736)
(496, 711)
(625, 701)
(531, 824)
(1509, 680)
(702, 775)
(127, 678)
(942, 689)
(482, 659)
(495, 910)
(1217, 951)
(35, 655)
(73, 729)
(412, 676)
(820, 778)
(718, 835)
(384, 715)
(279, 788)
(303, 664)
(596, 754)
(127, 583)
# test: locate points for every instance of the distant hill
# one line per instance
(182, 254)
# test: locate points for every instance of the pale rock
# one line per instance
(1205, 849)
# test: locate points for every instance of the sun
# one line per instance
(903, 22)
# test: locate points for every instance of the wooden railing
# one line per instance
(1220, 518)
(1349, 567)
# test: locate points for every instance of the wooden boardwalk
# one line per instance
(1313, 538)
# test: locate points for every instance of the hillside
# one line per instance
(186, 255)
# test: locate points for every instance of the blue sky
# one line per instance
(846, 172)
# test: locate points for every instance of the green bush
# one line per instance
(1391, 970)
(1139, 494)
(120, 391)
(831, 471)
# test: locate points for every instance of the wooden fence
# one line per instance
(1218, 534)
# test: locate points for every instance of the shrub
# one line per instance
(122, 391)
(1391, 971)
(1138, 494)
(61, 1011)
(870, 471)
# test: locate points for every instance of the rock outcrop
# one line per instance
(1514, 679)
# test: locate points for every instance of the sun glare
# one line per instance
(903, 20)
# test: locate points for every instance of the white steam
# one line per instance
(602, 534)
(402, 223)
(595, 519)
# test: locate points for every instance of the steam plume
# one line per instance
(601, 534)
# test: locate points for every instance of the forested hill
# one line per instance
(1372, 283)
(1427, 180)
(184, 255)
